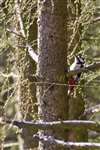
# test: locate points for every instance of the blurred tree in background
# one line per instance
(18, 28)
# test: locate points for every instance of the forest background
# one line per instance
(19, 78)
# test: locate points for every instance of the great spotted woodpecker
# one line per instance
(73, 80)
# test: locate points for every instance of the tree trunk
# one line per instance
(52, 99)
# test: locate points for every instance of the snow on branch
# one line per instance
(90, 67)
(52, 140)
(67, 124)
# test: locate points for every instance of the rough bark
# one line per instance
(52, 99)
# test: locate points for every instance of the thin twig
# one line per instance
(15, 32)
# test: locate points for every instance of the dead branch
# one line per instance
(19, 17)
(32, 53)
(52, 140)
(15, 32)
(92, 110)
(6, 145)
(96, 20)
(67, 124)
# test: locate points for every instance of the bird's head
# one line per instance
(79, 59)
